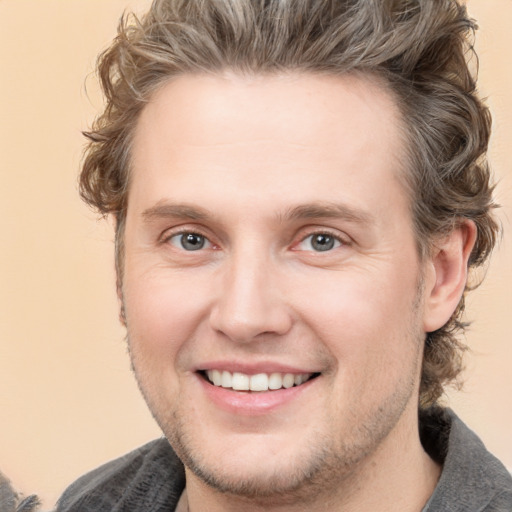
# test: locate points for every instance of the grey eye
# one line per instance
(189, 241)
(319, 242)
(322, 242)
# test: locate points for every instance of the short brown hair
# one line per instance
(420, 48)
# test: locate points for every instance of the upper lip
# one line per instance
(255, 368)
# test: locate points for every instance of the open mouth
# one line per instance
(258, 382)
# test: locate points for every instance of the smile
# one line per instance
(258, 382)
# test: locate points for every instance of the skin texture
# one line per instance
(257, 166)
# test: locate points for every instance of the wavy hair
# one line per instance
(420, 48)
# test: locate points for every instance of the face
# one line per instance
(271, 282)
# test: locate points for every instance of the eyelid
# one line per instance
(342, 238)
(178, 243)
(307, 232)
(169, 233)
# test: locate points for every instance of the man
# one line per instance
(299, 189)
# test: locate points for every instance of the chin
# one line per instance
(252, 472)
(270, 469)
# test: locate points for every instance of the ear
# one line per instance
(446, 275)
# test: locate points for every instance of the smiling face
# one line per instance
(269, 248)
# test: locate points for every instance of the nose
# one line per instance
(250, 305)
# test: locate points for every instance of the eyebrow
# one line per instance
(330, 211)
(321, 210)
(163, 210)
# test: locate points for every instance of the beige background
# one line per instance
(67, 398)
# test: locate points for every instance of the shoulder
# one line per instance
(472, 478)
(10, 500)
(501, 503)
(149, 478)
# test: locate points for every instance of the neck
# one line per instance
(399, 475)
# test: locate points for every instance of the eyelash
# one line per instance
(167, 237)
(341, 241)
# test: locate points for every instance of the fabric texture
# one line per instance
(149, 479)
(472, 480)
(152, 478)
(11, 501)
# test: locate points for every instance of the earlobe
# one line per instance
(447, 275)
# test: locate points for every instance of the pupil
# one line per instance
(192, 242)
(323, 242)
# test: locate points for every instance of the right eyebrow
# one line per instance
(166, 210)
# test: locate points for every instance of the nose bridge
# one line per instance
(249, 301)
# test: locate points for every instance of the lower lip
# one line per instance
(252, 403)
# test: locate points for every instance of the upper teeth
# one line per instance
(259, 382)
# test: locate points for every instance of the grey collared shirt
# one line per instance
(152, 478)
(472, 480)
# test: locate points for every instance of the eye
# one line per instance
(189, 241)
(319, 242)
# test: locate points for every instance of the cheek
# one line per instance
(356, 305)
(162, 314)
(369, 322)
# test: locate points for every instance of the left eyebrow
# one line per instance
(328, 211)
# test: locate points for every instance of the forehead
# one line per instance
(339, 137)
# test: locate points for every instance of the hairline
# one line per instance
(382, 80)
